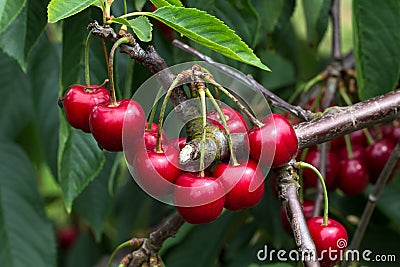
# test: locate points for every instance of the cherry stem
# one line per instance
(129, 243)
(125, 7)
(345, 96)
(105, 50)
(222, 117)
(253, 119)
(321, 179)
(348, 146)
(204, 124)
(154, 109)
(369, 137)
(318, 78)
(162, 111)
(103, 8)
(87, 69)
(124, 40)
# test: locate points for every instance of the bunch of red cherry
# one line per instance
(198, 198)
(351, 167)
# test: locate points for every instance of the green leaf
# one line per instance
(273, 10)
(162, 3)
(139, 4)
(45, 60)
(317, 16)
(26, 235)
(376, 38)
(16, 109)
(141, 27)
(283, 72)
(94, 203)
(22, 34)
(80, 160)
(79, 157)
(60, 9)
(241, 17)
(209, 31)
(9, 10)
(389, 203)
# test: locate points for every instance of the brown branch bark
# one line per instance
(339, 121)
(288, 187)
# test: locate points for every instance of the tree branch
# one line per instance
(339, 121)
(249, 80)
(288, 186)
(336, 40)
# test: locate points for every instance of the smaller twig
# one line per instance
(336, 41)
(169, 229)
(372, 200)
(288, 187)
(248, 80)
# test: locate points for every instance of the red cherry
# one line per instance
(79, 102)
(244, 184)
(395, 134)
(358, 137)
(376, 157)
(198, 200)
(106, 122)
(234, 120)
(150, 136)
(276, 133)
(358, 153)
(330, 240)
(156, 172)
(353, 177)
(310, 179)
(308, 210)
(66, 237)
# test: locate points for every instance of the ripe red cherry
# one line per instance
(353, 176)
(244, 184)
(198, 200)
(310, 179)
(308, 210)
(276, 133)
(156, 172)
(79, 102)
(150, 136)
(106, 122)
(377, 155)
(234, 120)
(358, 153)
(330, 240)
(66, 237)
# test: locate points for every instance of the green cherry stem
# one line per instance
(129, 243)
(321, 179)
(125, 7)
(162, 111)
(154, 109)
(348, 146)
(204, 124)
(253, 119)
(87, 69)
(222, 117)
(124, 40)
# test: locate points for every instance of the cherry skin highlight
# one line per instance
(79, 103)
(244, 184)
